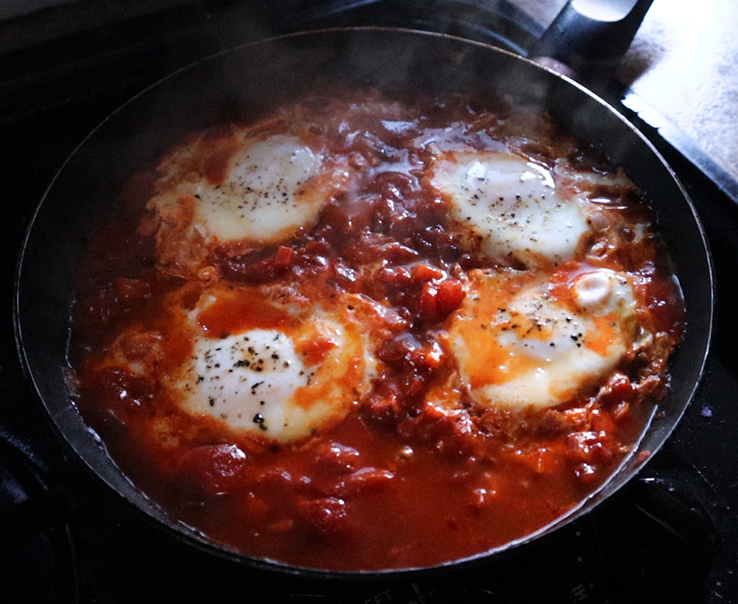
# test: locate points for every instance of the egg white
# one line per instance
(518, 346)
(271, 188)
(285, 371)
(282, 382)
(509, 207)
(265, 196)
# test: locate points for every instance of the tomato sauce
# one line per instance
(418, 473)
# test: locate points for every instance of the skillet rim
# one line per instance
(194, 537)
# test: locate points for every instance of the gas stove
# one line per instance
(670, 536)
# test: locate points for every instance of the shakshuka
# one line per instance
(369, 331)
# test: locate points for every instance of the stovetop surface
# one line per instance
(88, 546)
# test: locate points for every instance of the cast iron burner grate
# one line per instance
(36, 549)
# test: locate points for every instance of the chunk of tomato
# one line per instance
(217, 469)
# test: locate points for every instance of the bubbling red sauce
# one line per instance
(366, 332)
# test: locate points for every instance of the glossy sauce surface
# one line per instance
(412, 335)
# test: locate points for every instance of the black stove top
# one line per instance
(669, 536)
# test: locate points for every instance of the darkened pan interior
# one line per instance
(257, 76)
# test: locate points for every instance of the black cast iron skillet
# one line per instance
(262, 74)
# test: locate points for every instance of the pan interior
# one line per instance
(255, 76)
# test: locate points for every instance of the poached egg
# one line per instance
(239, 190)
(509, 207)
(522, 342)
